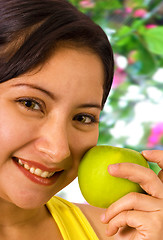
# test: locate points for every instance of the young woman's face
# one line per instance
(48, 120)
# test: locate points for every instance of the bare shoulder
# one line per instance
(93, 216)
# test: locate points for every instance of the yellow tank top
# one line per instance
(71, 221)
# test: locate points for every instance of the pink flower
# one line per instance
(155, 135)
(128, 10)
(151, 26)
(140, 13)
(119, 77)
(87, 4)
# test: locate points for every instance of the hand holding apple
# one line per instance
(98, 187)
(136, 215)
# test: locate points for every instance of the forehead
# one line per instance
(77, 62)
(69, 70)
(69, 62)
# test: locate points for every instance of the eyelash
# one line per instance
(78, 117)
(92, 118)
(32, 101)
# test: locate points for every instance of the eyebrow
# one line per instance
(50, 94)
(90, 105)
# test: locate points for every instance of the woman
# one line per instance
(56, 69)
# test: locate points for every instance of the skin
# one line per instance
(138, 216)
(46, 132)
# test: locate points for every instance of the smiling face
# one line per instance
(48, 120)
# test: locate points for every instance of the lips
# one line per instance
(36, 172)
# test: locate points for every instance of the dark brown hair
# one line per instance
(31, 29)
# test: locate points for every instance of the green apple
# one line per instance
(98, 187)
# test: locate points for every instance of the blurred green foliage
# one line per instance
(135, 30)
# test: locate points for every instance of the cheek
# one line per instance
(82, 142)
(14, 131)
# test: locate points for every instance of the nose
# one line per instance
(53, 141)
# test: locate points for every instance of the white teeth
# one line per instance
(45, 174)
(20, 162)
(26, 166)
(36, 171)
(32, 170)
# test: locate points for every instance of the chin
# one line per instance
(28, 201)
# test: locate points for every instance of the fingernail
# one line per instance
(146, 152)
(113, 168)
(103, 217)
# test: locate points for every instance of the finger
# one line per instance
(145, 177)
(132, 201)
(135, 219)
(160, 175)
(154, 156)
(126, 233)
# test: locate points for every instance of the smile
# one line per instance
(37, 172)
(33, 170)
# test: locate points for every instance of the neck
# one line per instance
(12, 215)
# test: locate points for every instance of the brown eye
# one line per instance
(30, 104)
(85, 118)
